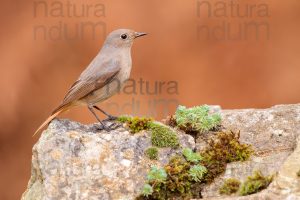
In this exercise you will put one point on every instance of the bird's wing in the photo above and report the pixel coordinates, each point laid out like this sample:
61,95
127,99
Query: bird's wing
95,80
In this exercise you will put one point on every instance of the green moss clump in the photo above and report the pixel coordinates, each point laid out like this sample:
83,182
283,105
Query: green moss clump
230,186
191,156
136,124
196,119
255,183
223,149
163,136
124,118
152,153
187,173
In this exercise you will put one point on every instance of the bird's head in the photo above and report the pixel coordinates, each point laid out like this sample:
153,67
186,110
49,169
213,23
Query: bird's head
122,38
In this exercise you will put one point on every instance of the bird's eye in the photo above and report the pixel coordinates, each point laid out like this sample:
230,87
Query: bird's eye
124,36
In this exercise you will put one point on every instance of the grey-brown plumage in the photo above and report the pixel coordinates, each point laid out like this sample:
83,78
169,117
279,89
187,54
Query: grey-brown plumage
103,77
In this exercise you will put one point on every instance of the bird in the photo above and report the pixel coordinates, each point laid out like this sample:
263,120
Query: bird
102,78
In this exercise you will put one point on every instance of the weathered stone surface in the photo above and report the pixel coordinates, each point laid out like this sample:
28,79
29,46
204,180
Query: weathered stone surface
73,161
273,133
286,184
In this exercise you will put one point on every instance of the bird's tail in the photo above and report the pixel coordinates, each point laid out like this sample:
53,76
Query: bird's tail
56,112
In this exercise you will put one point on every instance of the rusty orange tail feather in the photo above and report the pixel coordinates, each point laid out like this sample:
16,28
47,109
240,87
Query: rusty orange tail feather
56,112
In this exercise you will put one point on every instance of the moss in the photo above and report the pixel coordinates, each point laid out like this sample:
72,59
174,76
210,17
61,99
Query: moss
124,118
185,175
183,180
255,183
196,119
136,124
152,153
298,173
189,172
170,121
221,150
230,186
163,136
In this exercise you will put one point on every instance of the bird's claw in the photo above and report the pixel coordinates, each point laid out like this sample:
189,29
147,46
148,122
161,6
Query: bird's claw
109,128
110,118
114,126
101,127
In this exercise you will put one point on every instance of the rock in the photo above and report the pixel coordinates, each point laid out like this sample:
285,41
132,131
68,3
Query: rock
273,133
286,184
74,161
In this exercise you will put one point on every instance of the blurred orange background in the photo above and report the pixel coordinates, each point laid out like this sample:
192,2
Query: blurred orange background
38,67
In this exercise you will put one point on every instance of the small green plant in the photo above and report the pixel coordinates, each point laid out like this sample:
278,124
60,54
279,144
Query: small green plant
157,175
255,183
197,172
191,156
185,175
136,124
147,190
163,136
152,153
230,186
196,119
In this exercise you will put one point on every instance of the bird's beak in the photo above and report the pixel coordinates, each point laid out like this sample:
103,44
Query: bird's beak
137,34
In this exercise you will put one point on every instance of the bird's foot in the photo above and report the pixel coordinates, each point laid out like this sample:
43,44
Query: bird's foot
112,126
100,127
110,118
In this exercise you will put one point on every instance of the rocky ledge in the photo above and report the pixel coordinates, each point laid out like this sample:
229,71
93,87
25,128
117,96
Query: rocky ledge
75,161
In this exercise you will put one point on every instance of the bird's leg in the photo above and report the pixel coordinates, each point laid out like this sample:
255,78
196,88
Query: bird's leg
103,126
109,117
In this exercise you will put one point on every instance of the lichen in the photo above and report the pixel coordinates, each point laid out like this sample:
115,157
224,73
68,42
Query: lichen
255,183
230,186
196,119
152,153
163,136
136,124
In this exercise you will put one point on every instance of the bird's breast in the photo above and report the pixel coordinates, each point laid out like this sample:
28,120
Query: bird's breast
125,70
